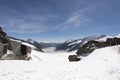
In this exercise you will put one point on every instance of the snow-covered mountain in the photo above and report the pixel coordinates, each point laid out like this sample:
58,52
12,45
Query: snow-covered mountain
43,46
72,45
69,45
91,45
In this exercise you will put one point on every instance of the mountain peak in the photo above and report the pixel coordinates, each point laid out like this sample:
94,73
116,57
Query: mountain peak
30,40
118,36
70,40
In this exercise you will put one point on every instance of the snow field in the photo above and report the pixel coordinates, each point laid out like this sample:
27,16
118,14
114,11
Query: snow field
102,64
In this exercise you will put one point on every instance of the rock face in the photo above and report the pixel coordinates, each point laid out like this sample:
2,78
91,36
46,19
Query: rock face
4,42
18,50
3,38
90,46
3,49
113,41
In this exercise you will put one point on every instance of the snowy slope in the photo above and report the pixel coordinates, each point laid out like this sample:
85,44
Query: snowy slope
118,36
49,49
102,64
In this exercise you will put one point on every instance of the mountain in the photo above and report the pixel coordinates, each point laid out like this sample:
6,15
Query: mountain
42,45
71,45
75,45
92,45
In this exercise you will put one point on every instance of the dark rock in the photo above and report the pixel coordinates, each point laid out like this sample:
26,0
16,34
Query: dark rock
113,41
91,45
73,58
3,36
4,42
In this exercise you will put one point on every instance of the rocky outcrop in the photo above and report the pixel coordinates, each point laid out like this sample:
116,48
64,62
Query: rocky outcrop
18,50
4,42
90,46
73,58
3,36
113,41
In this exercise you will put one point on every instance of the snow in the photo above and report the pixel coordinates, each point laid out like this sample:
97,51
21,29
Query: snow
15,40
70,40
118,36
102,64
49,49
75,42
103,39
32,46
70,48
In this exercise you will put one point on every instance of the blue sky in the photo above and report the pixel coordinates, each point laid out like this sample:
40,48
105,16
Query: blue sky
59,20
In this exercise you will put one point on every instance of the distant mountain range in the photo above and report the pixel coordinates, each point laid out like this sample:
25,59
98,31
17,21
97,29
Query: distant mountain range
69,45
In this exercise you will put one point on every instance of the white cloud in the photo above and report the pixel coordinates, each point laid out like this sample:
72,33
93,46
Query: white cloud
28,24
74,20
40,23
